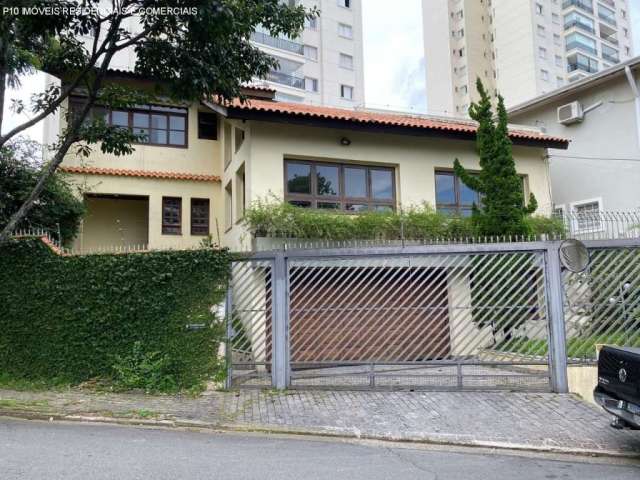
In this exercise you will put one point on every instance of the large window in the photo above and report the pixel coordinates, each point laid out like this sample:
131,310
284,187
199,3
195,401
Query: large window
171,215
157,125
332,186
199,216
452,196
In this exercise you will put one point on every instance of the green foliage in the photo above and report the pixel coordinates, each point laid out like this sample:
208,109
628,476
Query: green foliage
272,218
150,371
57,204
577,347
111,316
503,209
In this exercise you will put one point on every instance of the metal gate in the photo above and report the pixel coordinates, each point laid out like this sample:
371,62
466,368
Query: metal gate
440,317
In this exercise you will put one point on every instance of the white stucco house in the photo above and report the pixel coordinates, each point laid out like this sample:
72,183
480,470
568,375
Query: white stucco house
600,114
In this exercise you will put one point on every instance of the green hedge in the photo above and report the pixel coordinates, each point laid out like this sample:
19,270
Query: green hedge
82,317
273,218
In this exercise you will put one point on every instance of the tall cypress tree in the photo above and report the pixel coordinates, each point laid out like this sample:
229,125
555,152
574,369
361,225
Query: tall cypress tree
503,209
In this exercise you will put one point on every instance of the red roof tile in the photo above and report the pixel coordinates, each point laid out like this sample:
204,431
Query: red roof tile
121,172
390,119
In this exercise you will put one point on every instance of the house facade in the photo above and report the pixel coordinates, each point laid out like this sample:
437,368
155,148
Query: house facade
600,171
203,164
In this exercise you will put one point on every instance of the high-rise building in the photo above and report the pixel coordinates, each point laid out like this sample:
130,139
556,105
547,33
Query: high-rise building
518,48
324,66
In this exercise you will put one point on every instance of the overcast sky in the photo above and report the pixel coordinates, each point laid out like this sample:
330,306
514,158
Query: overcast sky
394,53
394,59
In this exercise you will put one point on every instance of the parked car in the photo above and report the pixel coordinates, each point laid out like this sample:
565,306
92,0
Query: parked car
618,390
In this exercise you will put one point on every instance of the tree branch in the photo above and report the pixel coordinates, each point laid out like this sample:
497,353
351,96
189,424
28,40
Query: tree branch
69,139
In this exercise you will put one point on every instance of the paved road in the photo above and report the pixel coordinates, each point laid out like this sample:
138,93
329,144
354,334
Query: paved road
39,450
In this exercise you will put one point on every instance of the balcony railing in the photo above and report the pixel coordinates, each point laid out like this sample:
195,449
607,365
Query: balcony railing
281,43
611,58
610,39
580,25
582,66
582,4
611,3
286,79
582,47
607,19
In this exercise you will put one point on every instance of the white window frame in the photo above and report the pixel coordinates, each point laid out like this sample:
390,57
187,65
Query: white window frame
345,27
342,87
313,82
310,48
348,61
575,227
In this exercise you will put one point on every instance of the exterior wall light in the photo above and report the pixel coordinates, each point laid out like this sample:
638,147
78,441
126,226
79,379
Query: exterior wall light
345,142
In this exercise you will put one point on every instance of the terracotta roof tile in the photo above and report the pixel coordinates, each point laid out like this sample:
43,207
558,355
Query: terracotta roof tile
391,119
122,172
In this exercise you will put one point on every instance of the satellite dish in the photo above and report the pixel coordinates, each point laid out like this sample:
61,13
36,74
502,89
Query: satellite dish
574,255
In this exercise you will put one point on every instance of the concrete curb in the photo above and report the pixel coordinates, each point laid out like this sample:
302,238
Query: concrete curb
316,432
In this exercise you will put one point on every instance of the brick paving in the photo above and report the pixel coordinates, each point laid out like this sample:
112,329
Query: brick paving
517,419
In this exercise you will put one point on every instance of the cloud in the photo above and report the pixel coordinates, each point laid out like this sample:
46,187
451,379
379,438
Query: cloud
394,56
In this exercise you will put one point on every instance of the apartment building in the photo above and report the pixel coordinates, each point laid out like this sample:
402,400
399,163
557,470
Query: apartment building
324,66
519,48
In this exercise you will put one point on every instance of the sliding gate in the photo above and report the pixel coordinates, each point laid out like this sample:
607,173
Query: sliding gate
439,317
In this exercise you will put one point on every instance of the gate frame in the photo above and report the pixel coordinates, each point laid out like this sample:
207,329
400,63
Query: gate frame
554,293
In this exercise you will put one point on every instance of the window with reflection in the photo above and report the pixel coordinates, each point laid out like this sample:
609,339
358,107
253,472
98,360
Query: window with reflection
452,196
155,124
334,186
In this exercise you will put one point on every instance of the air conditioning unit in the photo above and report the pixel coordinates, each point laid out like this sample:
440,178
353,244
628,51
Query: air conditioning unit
570,113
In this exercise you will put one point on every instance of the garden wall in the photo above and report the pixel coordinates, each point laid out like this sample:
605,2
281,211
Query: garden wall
73,318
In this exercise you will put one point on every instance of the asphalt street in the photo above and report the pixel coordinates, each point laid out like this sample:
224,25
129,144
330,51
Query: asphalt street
42,450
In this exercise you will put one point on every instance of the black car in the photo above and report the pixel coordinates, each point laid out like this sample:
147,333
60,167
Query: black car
618,390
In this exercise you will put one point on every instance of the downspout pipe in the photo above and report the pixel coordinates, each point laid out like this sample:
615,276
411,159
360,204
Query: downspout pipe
636,94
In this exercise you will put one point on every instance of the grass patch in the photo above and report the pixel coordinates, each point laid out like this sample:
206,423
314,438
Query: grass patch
577,347
27,385
22,404
142,413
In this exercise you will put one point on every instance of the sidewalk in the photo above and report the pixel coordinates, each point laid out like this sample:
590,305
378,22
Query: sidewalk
533,421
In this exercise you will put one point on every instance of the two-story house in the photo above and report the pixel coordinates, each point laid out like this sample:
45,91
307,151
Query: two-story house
204,163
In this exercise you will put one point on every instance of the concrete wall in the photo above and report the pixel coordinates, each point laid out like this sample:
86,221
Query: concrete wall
415,160
582,381
603,159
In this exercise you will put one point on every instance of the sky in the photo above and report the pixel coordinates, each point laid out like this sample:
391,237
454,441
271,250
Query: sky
394,64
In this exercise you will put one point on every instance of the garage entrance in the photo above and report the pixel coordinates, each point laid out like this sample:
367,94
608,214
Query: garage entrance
431,317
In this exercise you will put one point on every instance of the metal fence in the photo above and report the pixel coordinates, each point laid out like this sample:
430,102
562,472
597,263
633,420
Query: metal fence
602,304
600,225
465,316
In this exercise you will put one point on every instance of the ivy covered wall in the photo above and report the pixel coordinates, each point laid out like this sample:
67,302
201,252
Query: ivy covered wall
76,318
